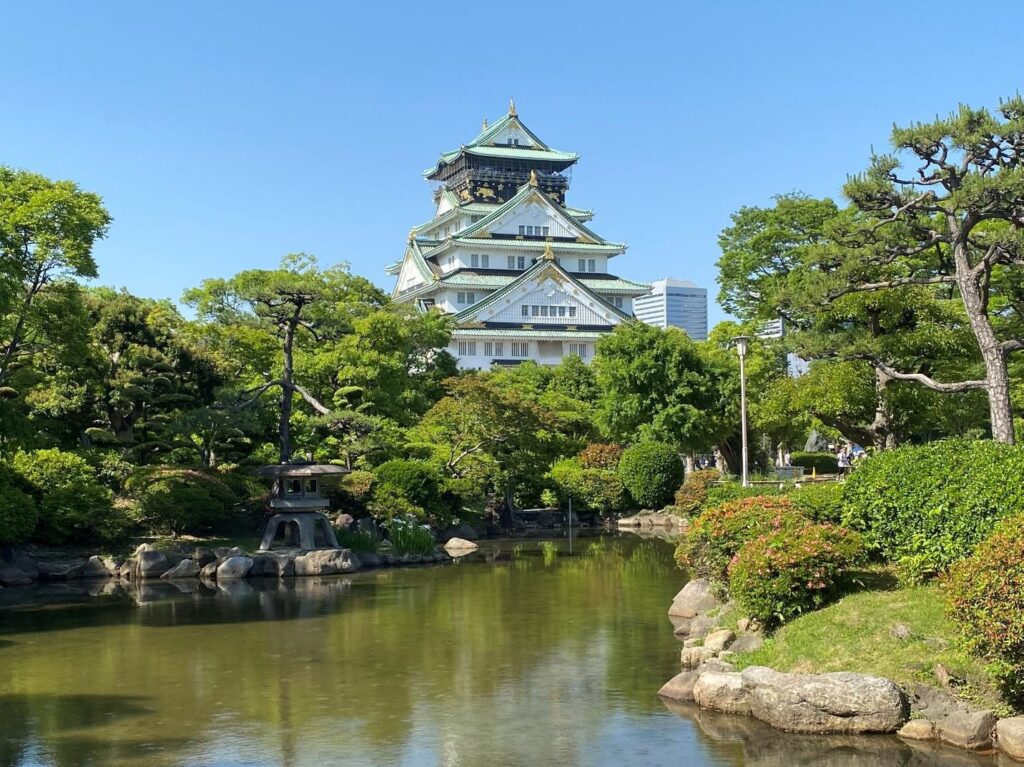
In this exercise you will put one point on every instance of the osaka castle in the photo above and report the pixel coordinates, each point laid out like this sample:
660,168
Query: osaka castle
524,276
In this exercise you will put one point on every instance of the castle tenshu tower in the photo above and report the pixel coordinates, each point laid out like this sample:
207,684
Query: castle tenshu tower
523,275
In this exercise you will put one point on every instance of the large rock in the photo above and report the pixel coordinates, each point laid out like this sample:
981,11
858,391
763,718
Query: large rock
747,643
692,657
151,563
701,626
326,562
841,702
209,570
12,575
203,556
719,640
456,546
186,568
972,729
1010,737
721,692
60,569
234,567
680,687
918,729
696,597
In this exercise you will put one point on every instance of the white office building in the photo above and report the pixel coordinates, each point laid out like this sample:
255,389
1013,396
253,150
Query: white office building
677,304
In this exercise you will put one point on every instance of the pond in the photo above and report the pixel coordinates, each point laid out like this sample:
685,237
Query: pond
523,654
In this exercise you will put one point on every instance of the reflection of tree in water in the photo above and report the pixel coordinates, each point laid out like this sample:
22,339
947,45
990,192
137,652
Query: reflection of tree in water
459,660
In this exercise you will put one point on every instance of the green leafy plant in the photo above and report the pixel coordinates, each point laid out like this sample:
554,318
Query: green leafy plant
718,533
549,498
926,507
820,501
409,537
693,493
72,504
416,482
985,601
175,501
597,490
18,513
360,541
777,576
822,463
600,456
651,472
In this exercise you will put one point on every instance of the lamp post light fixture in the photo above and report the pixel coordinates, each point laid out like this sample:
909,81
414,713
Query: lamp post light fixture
741,343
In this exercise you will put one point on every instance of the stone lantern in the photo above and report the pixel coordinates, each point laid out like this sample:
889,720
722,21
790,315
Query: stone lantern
298,507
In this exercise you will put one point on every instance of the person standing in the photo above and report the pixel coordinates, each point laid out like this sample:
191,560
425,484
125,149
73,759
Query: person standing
843,459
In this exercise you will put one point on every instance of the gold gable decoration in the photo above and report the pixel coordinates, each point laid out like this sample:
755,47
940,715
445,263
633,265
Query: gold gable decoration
533,179
512,107
549,254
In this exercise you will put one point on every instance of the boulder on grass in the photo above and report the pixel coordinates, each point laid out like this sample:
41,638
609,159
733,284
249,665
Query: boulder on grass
747,643
841,702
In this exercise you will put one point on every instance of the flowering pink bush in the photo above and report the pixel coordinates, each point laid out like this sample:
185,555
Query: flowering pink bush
779,575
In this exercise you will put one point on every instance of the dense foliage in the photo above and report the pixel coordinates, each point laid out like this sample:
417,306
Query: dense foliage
693,493
778,575
717,534
174,500
928,506
597,490
651,471
820,501
18,513
985,594
822,463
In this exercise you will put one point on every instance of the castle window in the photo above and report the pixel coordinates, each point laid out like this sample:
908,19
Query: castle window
499,348
484,260
580,350
582,265
561,311
460,298
511,262
543,311
520,348
592,265
471,298
488,348
618,302
467,348
535,310
522,231
572,311
521,261
529,231
526,310
474,260
545,231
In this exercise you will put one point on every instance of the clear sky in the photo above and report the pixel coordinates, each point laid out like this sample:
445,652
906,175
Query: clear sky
223,135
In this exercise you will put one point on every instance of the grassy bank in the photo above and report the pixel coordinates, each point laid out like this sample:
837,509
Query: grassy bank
855,634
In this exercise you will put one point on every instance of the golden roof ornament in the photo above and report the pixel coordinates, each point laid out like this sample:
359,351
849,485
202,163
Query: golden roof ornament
512,107
549,254
412,235
533,178
485,124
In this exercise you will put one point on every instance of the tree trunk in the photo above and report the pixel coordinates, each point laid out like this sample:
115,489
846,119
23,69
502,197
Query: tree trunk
287,393
880,428
973,286
691,464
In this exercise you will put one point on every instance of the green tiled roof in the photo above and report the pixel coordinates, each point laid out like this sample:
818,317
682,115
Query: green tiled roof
526,191
524,333
471,279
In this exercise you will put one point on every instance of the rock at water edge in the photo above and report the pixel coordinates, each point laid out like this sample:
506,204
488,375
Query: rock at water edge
680,687
1010,737
969,729
460,545
186,568
326,562
840,702
721,692
234,567
719,640
696,597
918,729
152,563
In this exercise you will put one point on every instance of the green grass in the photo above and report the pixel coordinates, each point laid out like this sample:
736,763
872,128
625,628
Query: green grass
854,635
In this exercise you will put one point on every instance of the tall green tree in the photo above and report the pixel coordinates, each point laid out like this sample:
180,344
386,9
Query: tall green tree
951,217
47,232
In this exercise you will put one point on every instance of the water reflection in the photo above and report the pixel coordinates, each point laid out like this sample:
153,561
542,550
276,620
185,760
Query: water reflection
519,654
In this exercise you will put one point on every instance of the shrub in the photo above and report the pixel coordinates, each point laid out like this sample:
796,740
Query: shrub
819,501
928,506
597,490
548,498
781,574
409,537
651,472
823,463
599,456
985,601
360,541
734,491
18,513
718,533
416,481
690,497
175,501
388,503
72,504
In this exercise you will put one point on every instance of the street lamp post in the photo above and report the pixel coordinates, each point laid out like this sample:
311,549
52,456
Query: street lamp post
741,348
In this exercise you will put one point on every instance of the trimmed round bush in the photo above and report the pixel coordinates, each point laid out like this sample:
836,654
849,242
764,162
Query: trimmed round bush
985,601
18,513
819,501
693,493
73,505
777,576
718,533
600,456
651,472
597,490
416,481
175,501
823,463
926,507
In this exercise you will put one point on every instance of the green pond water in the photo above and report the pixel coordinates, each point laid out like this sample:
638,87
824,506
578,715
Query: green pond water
523,654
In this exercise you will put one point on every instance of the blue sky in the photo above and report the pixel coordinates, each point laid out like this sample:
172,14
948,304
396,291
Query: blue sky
224,134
